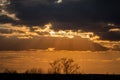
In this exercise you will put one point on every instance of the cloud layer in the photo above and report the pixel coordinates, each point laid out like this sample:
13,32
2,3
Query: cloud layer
25,38
74,44
98,16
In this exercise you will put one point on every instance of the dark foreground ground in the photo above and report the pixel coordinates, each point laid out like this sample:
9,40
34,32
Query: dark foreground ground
58,77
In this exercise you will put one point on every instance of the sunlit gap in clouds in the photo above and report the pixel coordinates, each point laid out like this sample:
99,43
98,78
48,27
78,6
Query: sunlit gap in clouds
59,1
64,33
22,31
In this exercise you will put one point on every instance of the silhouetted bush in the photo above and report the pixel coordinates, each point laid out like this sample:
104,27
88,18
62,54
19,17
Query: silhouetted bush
64,66
33,71
10,71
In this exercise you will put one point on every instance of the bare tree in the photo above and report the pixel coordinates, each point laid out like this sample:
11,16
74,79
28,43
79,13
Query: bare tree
33,71
64,66
10,71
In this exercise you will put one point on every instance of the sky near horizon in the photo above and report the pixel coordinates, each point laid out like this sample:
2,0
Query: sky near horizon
61,24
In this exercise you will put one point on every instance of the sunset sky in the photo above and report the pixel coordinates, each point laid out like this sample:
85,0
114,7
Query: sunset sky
60,24
34,33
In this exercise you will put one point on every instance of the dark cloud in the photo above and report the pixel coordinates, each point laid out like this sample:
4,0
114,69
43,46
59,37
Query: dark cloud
44,43
88,15
72,11
5,19
113,36
116,47
2,31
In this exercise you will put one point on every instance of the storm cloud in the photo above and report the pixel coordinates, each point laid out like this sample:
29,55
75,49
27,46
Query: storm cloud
88,15
78,11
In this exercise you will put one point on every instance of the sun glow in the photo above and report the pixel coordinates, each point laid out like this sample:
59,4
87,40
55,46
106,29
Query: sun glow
50,49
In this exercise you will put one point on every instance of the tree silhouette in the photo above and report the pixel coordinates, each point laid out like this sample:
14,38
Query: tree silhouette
10,71
33,71
64,66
